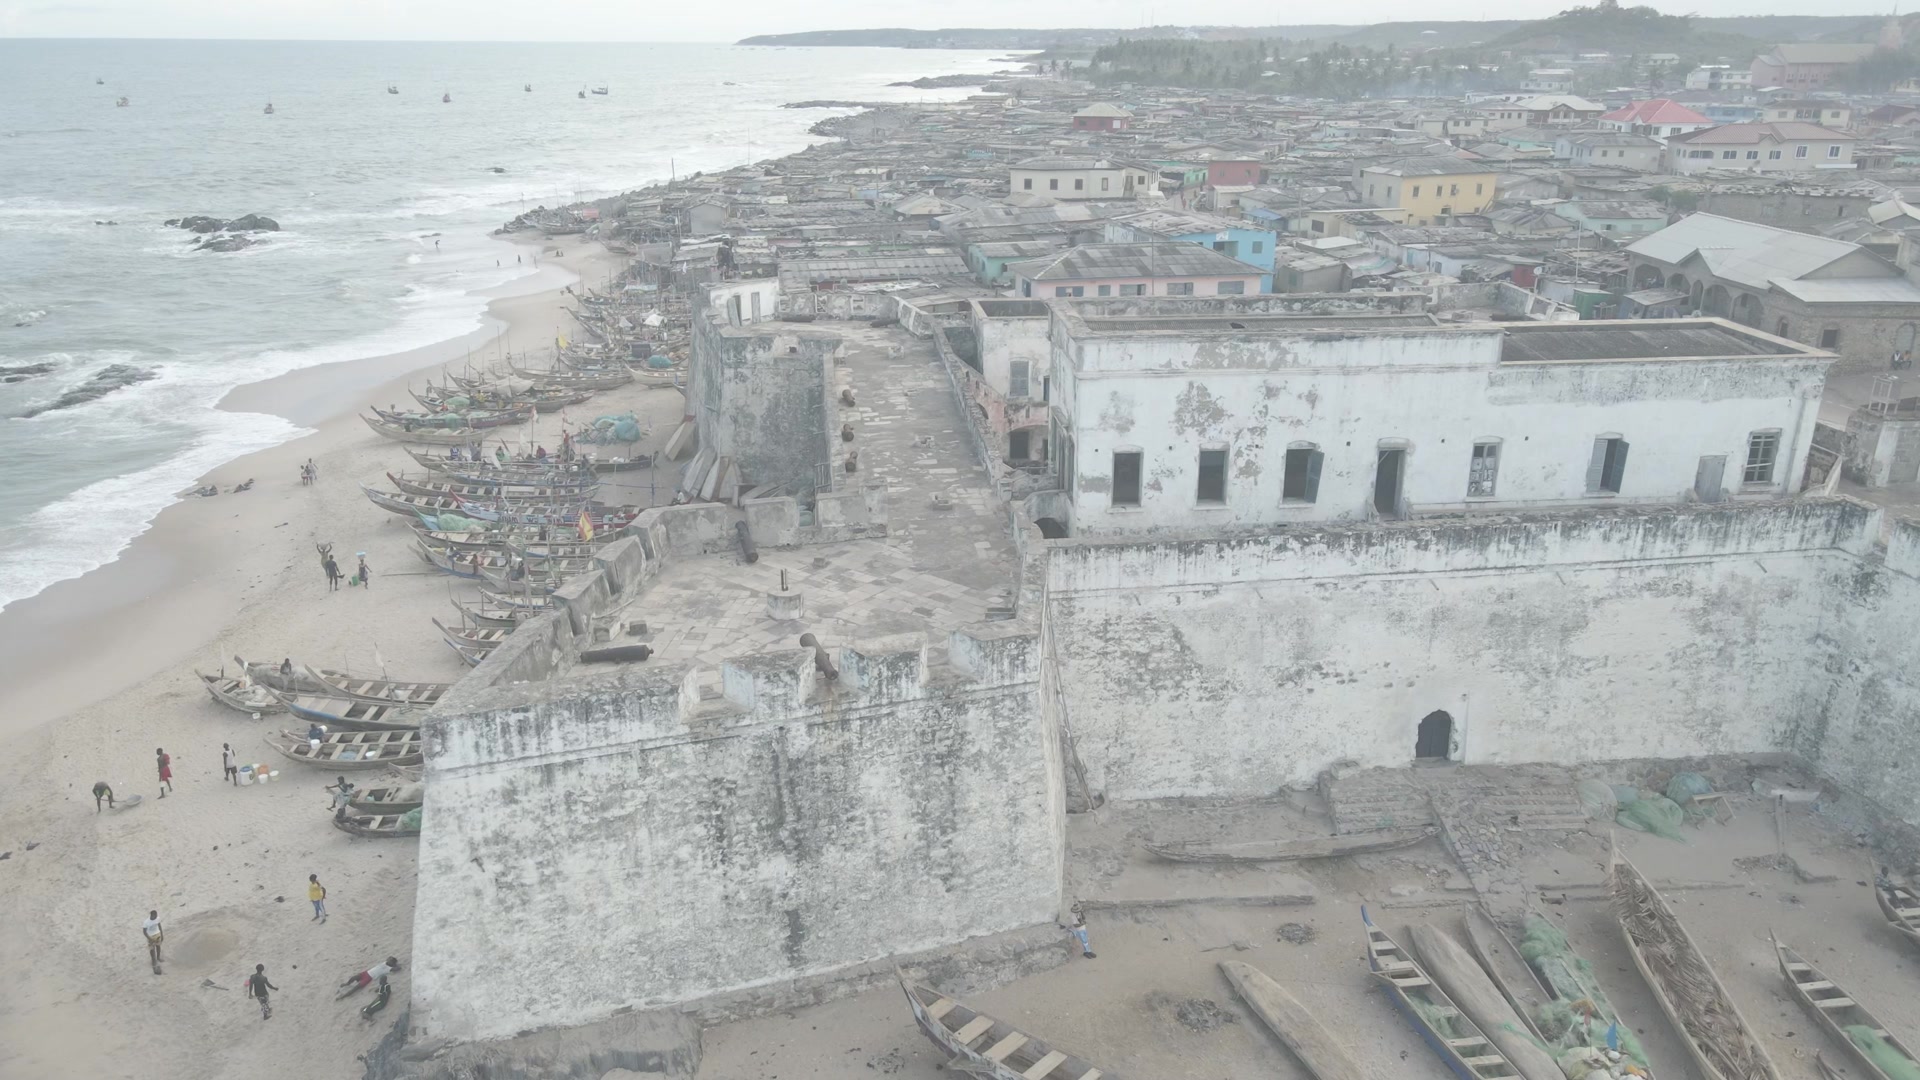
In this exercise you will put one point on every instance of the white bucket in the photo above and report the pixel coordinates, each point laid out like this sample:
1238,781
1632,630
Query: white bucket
246,774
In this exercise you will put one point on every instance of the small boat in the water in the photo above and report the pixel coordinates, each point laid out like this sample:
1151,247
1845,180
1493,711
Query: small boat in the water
352,749
98,81
395,799
445,98
1845,1020
122,103
239,693
269,108
379,825
982,1046
392,89
601,90
528,88
583,95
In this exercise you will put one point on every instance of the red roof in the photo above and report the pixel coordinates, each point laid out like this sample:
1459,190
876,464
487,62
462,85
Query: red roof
1657,111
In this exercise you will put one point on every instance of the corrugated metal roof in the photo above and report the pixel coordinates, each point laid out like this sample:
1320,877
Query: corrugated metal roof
1892,290
1657,111
1134,260
1748,134
1741,251
1652,341
1429,166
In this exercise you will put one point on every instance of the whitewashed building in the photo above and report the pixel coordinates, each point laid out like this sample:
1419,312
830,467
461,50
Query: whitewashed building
1171,418
1071,178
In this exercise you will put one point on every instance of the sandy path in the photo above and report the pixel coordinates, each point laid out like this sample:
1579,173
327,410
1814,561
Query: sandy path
96,674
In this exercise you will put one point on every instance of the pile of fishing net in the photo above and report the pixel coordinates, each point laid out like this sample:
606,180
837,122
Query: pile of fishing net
1580,1016
658,361
457,403
1648,812
1684,788
1891,1062
410,819
617,428
454,523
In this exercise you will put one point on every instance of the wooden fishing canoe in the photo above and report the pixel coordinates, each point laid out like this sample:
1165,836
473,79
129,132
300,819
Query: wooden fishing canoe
1292,1024
1319,847
240,695
982,1046
352,749
1901,907
1502,961
442,437
381,691
486,614
1695,1001
393,799
483,639
351,714
1463,1047
385,826
1835,1010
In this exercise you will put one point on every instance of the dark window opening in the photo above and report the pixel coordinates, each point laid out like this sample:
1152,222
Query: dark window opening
1435,740
1387,476
1126,478
1301,483
1763,448
1830,338
1212,487
1018,444
1051,528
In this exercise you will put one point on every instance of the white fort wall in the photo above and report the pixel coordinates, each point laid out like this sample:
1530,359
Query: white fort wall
617,840
1235,667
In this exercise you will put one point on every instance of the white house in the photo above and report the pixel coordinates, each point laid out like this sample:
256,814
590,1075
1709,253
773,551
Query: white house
1766,148
1066,178
1720,77
1168,419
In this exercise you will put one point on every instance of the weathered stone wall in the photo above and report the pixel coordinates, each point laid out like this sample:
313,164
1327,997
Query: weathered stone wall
1234,667
762,396
1786,207
624,839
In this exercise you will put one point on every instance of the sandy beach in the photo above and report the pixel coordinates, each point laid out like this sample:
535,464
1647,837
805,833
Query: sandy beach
98,673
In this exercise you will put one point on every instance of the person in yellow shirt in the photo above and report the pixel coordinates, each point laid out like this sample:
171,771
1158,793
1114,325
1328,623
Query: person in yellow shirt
317,893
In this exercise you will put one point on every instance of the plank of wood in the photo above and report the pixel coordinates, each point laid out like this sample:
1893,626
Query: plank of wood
1834,1003
1005,1046
1292,1024
1319,847
1045,1065
974,1029
1817,984
941,1008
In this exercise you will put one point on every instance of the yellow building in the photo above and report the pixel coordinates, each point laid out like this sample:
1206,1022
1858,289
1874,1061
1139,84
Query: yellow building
1430,189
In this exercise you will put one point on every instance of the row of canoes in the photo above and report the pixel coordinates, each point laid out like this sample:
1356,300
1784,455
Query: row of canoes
1474,1041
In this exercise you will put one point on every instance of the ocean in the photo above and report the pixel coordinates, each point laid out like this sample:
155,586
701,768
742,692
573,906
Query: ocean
385,202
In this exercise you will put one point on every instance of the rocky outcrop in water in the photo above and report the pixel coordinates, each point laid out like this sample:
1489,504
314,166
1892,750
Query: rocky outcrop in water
104,382
23,372
201,223
227,242
941,82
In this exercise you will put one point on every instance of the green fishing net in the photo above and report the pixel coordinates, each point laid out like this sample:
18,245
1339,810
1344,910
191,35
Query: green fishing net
1890,1061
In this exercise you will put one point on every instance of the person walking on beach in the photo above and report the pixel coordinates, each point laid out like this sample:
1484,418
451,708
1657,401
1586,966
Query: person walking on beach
102,790
227,764
164,761
333,574
155,934
362,573
257,987
317,893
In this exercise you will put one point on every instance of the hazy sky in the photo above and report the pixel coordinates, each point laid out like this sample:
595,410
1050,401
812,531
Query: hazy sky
641,20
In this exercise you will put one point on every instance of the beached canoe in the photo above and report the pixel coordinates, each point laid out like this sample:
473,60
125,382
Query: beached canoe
379,826
352,749
412,506
392,799
485,614
985,1047
1845,1020
1697,1004
1465,1050
433,485
1292,1024
481,639
351,714
381,691
1319,847
440,437
239,694
1901,907
1502,961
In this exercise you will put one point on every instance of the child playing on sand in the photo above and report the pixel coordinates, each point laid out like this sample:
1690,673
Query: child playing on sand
165,761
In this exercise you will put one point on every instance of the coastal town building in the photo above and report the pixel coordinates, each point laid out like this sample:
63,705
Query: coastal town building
1805,65
1657,118
1142,269
1610,149
1430,189
1238,239
1826,112
1788,147
1101,116
1718,77
1073,178
1829,294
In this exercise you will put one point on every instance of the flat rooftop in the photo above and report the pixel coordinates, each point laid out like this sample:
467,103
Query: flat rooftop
937,569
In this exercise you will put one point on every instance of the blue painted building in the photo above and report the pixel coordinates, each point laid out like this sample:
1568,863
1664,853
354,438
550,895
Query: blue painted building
1248,241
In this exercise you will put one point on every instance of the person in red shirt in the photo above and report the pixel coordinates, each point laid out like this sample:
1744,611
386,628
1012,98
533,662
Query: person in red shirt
165,761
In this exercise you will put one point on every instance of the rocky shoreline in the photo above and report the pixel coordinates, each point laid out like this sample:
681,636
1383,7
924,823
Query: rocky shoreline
220,234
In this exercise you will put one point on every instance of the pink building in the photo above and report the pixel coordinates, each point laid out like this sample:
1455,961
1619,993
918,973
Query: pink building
1161,269
1234,172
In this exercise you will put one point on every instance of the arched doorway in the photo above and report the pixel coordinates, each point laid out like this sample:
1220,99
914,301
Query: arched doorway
1746,310
1678,283
1718,301
1435,739
1647,277
1051,528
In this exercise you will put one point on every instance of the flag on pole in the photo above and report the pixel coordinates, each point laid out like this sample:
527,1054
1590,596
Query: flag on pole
586,526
